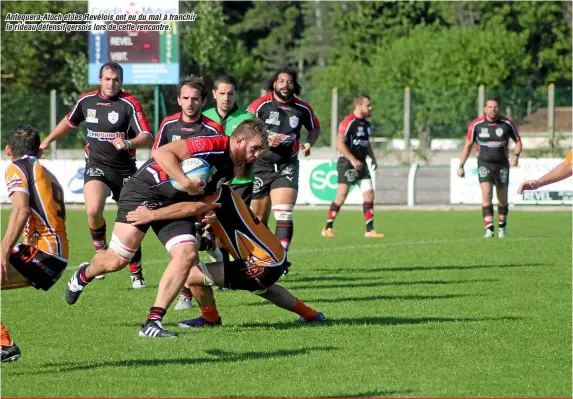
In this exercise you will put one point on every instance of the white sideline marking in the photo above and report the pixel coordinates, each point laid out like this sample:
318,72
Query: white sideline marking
366,246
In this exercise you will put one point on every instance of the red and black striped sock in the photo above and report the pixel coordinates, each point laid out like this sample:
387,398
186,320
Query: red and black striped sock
98,238
156,313
368,209
332,212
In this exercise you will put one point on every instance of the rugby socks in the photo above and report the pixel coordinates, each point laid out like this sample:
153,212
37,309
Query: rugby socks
135,264
303,311
368,209
156,313
487,212
210,313
502,216
6,340
284,227
334,209
98,238
186,292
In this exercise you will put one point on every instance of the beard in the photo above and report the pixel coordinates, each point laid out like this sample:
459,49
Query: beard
241,167
286,98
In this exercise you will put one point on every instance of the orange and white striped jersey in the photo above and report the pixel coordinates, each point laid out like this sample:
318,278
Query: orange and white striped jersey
46,227
569,158
242,235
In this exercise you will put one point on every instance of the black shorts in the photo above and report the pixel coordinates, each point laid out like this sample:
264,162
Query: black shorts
269,176
40,268
241,275
496,174
347,174
114,180
166,230
245,191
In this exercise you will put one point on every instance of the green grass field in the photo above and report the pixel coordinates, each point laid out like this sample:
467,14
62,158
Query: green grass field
432,310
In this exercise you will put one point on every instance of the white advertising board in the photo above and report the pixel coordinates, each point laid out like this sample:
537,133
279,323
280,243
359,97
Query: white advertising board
467,190
317,181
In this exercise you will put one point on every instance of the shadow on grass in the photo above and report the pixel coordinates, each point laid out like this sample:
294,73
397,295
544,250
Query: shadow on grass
388,283
416,268
370,394
217,356
380,321
377,298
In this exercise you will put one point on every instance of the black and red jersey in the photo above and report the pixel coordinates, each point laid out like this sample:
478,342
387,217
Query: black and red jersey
492,138
106,120
285,119
356,134
173,128
150,184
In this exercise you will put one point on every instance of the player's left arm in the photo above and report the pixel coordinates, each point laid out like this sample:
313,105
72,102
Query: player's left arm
138,123
514,134
372,157
312,125
16,223
516,153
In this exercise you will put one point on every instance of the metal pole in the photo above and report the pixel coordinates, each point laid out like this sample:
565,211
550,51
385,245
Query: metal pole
156,110
334,121
481,100
551,115
407,116
53,116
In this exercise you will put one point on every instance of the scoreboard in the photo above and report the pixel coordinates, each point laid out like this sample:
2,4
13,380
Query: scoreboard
147,56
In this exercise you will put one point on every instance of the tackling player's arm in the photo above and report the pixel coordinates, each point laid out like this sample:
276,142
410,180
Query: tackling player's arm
169,156
18,218
144,215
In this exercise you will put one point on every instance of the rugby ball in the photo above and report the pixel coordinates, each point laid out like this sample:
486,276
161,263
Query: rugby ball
193,168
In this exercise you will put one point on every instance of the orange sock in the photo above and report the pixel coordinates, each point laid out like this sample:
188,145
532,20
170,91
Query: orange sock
210,313
6,340
304,311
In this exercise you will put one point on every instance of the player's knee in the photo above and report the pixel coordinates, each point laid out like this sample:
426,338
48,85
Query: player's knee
366,187
183,248
207,277
283,212
123,253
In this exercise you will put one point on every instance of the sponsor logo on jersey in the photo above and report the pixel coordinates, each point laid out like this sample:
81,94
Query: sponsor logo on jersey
113,117
273,119
484,134
105,136
91,116
103,104
175,138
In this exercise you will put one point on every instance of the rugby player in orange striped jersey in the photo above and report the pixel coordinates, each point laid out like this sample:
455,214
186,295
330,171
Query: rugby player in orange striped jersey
38,210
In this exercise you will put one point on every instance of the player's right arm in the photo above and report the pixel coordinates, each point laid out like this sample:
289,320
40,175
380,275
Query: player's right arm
345,151
464,157
18,218
63,128
71,120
